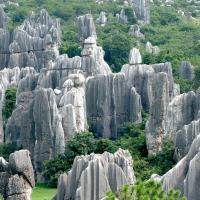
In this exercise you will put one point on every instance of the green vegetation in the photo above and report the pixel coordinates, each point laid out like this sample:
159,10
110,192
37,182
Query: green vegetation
43,192
7,149
177,36
10,99
147,190
81,144
134,140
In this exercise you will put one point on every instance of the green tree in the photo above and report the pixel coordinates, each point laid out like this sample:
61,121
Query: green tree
10,100
117,47
147,190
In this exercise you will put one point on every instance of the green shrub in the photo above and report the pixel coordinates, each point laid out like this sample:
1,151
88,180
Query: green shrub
134,140
81,144
147,190
7,149
10,99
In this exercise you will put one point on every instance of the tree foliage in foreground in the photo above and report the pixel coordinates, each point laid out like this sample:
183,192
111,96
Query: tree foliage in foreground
147,190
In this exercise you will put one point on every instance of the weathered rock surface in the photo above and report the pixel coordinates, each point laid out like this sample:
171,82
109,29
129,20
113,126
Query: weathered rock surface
8,78
86,28
180,111
17,176
92,176
142,76
33,44
155,84
121,17
185,176
142,9
111,103
135,30
183,138
154,132
73,105
49,134
3,18
102,20
37,125
186,71
152,49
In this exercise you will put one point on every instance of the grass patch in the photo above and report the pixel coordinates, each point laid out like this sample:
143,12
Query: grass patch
43,192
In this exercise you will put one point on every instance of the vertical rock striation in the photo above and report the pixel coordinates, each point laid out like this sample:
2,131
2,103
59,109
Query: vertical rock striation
92,176
185,176
33,44
111,103
142,10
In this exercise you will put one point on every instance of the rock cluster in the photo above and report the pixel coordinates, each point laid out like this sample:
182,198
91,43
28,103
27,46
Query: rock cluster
155,85
36,124
92,176
33,44
17,176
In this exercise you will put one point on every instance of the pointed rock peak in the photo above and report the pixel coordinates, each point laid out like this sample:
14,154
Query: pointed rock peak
3,18
135,57
86,27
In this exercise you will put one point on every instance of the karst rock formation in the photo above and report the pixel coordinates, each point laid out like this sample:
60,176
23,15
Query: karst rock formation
92,176
59,96
17,176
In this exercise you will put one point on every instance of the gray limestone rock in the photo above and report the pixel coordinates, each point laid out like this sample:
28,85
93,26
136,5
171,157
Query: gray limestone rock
186,71
152,49
180,111
36,124
72,105
33,44
135,30
3,18
142,10
92,176
121,17
20,162
17,179
154,131
86,28
185,175
109,100
142,76
49,134
8,78
135,57
183,138
20,128
102,20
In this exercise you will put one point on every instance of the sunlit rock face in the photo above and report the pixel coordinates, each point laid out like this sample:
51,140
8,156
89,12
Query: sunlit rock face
92,176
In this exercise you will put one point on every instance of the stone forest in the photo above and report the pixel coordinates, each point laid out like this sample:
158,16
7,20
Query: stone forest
100,99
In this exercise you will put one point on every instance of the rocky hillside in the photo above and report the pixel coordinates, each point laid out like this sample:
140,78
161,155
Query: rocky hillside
126,71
